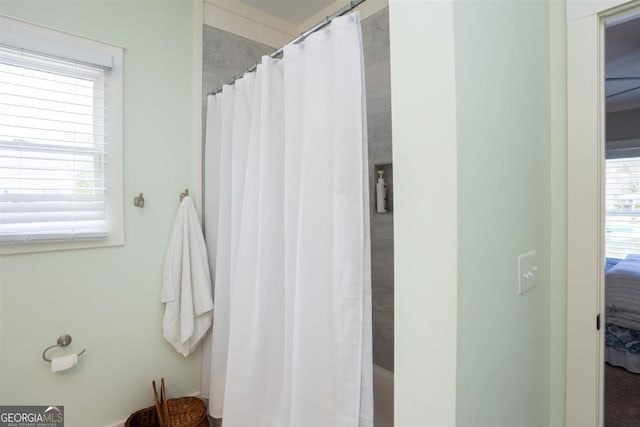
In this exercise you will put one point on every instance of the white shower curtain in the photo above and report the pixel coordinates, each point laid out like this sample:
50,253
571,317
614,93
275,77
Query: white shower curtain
287,228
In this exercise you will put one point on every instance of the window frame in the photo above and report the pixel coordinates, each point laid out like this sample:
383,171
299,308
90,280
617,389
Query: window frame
57,44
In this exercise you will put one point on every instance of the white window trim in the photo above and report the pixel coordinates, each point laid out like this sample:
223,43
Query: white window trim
46,41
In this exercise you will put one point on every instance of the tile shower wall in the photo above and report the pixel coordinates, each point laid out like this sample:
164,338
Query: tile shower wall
375,37
225,54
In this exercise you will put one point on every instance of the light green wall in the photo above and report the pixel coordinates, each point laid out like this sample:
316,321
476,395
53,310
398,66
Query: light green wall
504,124
557,229
508,170
108,299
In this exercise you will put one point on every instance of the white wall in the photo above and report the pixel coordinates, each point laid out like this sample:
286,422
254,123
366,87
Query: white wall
108,299
254,24
423,105
243,20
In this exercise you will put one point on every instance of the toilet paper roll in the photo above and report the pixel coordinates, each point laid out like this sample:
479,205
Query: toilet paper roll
64,362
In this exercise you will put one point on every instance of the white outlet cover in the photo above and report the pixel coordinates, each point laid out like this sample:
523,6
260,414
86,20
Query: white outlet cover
527,271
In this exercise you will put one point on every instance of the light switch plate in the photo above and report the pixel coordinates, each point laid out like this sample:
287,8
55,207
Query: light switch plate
527,271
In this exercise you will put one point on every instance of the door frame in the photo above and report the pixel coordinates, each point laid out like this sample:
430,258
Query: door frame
585,189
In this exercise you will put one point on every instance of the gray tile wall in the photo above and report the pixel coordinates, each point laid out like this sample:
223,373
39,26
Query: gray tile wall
225,55
375,38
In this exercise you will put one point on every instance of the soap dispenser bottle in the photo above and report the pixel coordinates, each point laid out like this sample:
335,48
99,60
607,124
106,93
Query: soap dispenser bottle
381,194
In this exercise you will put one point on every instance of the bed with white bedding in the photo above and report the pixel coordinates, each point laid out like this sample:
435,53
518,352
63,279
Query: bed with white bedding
622,330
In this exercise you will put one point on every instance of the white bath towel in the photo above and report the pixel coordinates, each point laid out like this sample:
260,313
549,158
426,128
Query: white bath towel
186,283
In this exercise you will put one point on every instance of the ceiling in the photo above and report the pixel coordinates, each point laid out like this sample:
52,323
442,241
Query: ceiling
622,69
294,11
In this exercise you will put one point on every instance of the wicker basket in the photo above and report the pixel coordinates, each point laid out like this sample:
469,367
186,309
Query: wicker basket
180,412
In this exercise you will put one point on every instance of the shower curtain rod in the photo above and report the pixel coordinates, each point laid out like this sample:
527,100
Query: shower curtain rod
326,21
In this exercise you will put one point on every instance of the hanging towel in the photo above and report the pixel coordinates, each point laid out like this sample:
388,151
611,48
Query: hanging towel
186,283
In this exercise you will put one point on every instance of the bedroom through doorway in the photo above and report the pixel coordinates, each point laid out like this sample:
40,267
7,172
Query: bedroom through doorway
622,222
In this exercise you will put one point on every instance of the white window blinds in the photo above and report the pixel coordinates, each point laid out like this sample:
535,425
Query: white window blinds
622,207
61,181
52,149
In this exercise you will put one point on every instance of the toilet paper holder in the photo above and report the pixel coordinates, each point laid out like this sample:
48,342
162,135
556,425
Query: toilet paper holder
63,341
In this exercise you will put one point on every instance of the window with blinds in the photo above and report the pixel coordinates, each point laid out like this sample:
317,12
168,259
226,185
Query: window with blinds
56,145
622,207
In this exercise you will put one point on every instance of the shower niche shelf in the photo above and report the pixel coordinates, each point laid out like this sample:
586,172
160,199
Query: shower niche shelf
387,170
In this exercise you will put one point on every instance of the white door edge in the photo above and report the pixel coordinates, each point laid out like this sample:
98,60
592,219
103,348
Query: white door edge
585,269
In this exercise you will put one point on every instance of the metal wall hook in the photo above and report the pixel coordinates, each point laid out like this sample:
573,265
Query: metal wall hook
63,341
185,194
138,201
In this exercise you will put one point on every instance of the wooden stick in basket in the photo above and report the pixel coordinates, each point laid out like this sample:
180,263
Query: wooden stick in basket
165,405
157,403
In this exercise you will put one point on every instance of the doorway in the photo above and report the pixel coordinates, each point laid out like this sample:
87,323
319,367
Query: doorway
586,307
622,221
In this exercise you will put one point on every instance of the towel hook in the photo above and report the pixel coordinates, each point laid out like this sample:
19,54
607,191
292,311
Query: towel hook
185,194
138,201
63,341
